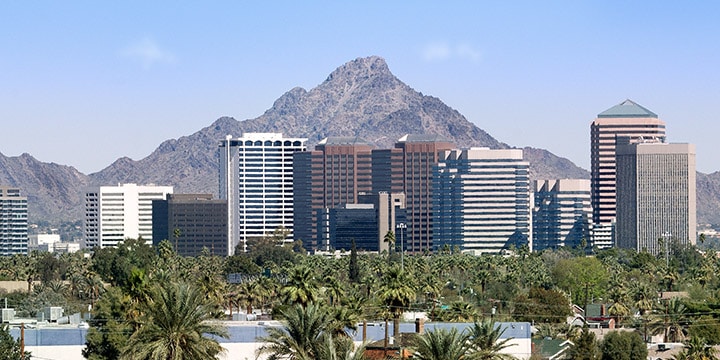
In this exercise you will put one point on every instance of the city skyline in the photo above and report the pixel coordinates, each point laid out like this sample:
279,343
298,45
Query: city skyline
529,74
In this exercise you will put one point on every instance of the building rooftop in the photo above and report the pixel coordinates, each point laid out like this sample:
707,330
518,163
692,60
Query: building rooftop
343,140
423,138
627,109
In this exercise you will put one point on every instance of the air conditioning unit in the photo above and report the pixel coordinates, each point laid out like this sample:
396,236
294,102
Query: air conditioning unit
7,315
53,313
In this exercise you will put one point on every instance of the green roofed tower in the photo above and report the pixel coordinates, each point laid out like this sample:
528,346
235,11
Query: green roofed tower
627,119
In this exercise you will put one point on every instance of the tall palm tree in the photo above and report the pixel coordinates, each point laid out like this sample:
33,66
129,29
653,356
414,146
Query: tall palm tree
696,349
301,288
486,343
301,333
176,325
442,344
396,293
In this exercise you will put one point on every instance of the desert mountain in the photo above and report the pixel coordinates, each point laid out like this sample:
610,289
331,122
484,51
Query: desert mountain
361,98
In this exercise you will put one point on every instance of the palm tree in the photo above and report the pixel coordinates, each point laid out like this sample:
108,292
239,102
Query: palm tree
486,343
696,349
396,293
301,287
175,325
442,344
299,337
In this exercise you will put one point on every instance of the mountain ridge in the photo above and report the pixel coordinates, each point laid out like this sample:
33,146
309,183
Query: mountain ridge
360,98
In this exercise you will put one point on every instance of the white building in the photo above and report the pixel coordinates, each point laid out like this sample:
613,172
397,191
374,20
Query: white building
13,222
42,241
256,178
562,213
481,200
114,213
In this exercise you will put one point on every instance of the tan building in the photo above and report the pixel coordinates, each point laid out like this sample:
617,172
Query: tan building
625,119
656,195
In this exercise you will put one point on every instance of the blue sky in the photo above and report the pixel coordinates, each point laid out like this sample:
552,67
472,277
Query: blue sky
83,83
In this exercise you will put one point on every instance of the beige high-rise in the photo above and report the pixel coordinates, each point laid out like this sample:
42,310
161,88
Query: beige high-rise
656,195
625,119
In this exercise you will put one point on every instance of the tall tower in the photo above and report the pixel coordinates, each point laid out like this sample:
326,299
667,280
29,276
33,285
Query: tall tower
656,194
625,119
256,172
114,213
332,175
482,200
13,222
412,162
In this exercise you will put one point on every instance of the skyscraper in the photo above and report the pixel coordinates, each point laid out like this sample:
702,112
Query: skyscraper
482,200
656,195
256,172
411,162
191,222
624,119
332,175
561,213
13,222
114,213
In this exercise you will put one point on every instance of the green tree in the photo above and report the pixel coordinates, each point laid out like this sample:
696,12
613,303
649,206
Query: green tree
9,347
176,325
354,267
109,329
585,278
697,349
303,327
623,345
301,287
706,327
585,348
396,293
441,344
486,343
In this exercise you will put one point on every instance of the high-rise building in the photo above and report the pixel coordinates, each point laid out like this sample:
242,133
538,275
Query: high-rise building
562,214
656,195
624,119
13,222
408,169
191,222
482,200
114,213
332,175
256,179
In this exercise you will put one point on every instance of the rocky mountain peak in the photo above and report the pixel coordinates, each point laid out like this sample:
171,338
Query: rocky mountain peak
360,68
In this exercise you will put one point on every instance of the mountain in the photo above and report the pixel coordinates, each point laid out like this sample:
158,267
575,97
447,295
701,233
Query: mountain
54,191
360,98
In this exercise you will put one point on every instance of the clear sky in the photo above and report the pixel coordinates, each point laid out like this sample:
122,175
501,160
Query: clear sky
83,83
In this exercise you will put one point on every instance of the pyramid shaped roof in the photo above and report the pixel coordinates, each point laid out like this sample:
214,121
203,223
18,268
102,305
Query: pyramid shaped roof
627,109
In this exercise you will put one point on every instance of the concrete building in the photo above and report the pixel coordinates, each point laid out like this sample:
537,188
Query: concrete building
115,213
42,242
256,179
656,194
332,175
562,214
482,200
625,119
408,169
13,222
191,222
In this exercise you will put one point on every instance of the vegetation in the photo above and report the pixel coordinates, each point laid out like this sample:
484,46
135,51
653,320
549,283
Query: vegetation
125,288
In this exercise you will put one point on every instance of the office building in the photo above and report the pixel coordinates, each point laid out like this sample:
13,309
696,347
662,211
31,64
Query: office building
43,242
332,175
625,119
13,222
115,213
656,195
482,200
256,179
191,222
562,214
408,169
